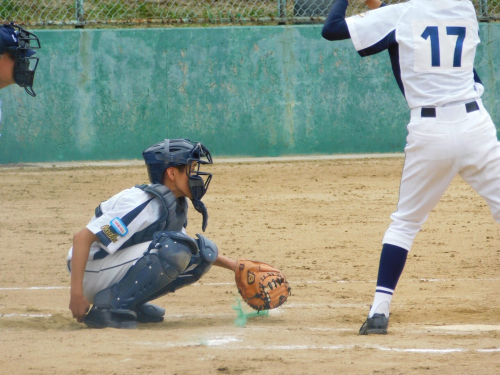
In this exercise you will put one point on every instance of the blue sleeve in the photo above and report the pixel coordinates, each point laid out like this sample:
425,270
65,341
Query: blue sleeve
476,77
335,27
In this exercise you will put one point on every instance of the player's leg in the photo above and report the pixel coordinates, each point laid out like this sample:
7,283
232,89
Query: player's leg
115,306
174,260
482,161
199,265
428,170
102,273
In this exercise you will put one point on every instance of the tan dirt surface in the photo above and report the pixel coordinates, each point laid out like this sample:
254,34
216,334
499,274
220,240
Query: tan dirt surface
320,222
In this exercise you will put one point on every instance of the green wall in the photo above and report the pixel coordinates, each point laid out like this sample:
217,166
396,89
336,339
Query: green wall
243,91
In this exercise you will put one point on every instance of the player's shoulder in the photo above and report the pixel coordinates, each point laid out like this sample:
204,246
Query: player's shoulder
131,192
130,197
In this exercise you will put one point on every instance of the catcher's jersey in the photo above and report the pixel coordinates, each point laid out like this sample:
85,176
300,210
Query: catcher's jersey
432,45
133,203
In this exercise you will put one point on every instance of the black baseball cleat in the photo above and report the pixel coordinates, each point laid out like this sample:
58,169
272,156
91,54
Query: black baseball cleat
149,313
378,324
99,317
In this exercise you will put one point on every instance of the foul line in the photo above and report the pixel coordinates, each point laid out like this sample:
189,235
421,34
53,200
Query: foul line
26,315
226,343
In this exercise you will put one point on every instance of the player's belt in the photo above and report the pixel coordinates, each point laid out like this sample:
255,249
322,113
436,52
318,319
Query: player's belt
431,112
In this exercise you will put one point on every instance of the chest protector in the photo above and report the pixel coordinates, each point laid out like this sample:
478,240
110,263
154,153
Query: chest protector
173,216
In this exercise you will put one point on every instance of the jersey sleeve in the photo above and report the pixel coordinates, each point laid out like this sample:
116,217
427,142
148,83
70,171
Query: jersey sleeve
335,27
371,31
134,211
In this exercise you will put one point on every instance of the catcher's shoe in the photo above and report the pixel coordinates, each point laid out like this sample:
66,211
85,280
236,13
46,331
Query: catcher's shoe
149,313
99,317
378,324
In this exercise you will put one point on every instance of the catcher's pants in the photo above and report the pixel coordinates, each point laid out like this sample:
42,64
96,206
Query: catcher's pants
102,273
438,148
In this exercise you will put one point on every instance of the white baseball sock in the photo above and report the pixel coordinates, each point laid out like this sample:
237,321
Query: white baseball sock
381,304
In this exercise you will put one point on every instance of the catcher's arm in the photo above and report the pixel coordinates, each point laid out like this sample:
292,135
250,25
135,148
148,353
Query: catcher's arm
78,304
226,262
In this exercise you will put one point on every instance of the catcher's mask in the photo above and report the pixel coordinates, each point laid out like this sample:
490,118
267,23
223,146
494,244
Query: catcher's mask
20,45
178,152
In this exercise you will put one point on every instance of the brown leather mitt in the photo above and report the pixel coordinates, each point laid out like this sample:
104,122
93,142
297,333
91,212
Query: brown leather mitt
261,286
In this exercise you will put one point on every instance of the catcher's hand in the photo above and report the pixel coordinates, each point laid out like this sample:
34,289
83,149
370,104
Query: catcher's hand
261,286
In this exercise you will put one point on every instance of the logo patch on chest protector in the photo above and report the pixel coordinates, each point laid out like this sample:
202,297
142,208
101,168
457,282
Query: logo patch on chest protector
108,232
250,278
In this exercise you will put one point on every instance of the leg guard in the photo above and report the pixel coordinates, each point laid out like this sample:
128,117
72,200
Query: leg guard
199,265
168,256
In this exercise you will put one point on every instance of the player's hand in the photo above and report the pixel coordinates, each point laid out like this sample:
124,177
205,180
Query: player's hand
79,306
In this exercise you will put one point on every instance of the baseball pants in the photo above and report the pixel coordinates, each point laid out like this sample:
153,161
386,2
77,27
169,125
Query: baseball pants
438,148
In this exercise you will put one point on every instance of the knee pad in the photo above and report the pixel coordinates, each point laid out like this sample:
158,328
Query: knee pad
168,256
198,266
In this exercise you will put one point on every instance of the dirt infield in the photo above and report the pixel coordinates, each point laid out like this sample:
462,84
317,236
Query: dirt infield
321,222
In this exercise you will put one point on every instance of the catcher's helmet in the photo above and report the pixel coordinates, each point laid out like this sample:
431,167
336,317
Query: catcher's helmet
177,152
20,44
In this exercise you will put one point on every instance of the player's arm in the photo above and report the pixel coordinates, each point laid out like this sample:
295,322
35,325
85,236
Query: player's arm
82,241
374,4
335,27
226,262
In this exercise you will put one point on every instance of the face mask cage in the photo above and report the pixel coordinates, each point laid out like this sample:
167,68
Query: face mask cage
198,180
25,67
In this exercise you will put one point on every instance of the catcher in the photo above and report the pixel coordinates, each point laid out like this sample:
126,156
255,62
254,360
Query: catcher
135,249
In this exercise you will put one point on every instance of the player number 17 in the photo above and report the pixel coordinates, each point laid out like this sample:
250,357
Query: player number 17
433,33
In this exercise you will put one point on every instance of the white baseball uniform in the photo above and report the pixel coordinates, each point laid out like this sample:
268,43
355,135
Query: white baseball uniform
432,45
109,260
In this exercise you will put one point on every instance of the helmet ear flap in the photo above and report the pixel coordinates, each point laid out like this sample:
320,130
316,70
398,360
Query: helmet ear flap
156,172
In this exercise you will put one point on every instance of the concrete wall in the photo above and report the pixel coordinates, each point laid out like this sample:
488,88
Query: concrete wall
243,91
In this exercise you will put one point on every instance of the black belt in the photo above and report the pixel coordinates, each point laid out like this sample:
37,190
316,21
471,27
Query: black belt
431,112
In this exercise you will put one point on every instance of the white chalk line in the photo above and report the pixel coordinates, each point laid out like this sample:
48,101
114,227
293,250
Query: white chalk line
229,342
37,288
291,282
25,315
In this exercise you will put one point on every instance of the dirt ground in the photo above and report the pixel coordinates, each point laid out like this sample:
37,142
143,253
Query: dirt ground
321,222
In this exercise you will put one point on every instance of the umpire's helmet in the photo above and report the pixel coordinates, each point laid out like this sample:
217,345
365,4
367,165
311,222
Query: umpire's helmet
20,44
174,153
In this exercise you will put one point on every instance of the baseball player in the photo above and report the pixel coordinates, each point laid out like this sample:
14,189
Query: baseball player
17,61
135,248
432,44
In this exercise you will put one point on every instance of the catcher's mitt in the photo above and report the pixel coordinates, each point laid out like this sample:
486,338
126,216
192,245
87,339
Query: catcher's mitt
261,286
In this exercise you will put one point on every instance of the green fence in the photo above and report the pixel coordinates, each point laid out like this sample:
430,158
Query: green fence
246,91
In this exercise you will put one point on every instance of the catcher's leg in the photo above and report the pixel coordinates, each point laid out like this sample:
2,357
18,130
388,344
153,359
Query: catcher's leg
198,266
116,306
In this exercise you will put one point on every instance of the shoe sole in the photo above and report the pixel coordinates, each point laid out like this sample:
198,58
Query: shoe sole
121,325
376,331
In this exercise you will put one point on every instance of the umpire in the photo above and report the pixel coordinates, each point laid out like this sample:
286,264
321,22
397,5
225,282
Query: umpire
17,61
